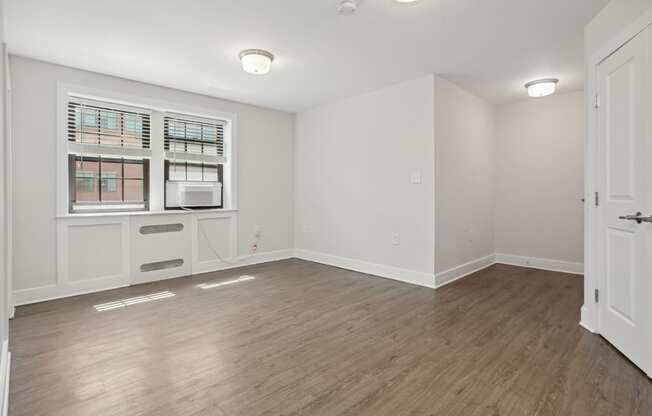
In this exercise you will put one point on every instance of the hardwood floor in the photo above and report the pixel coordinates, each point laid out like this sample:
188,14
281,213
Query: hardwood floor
306,339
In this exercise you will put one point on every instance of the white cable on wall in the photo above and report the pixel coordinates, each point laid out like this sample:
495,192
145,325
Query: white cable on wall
216,253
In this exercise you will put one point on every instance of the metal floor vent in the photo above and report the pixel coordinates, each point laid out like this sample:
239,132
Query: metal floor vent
161,265
161,228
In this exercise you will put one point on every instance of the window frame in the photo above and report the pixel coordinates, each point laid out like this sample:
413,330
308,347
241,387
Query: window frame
158,108
103,206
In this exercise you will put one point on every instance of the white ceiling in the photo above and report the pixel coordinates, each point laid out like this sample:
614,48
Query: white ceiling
490,47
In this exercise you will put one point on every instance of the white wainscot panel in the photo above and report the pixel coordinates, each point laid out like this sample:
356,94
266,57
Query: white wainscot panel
92,255
214,241
161,247
94,251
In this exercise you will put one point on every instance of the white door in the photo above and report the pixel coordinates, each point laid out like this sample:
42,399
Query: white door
625,184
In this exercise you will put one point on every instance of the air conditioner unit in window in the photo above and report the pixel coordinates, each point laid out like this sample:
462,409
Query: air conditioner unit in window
189,194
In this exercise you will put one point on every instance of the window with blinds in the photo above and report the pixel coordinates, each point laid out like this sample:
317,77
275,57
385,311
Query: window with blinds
108,156
194,139
100,125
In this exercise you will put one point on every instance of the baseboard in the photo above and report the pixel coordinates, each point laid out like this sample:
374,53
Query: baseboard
586,321
539,263
5,372
449,276
374,269
52,292
242,261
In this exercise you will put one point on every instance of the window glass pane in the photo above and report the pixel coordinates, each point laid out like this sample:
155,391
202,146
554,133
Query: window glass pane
177,171
91,189
134,190
133,124
210,133
111,187
86,189
108,120
108,127
87,168
89,117
111,168
210,173
193,131
194,172
176,130
133,170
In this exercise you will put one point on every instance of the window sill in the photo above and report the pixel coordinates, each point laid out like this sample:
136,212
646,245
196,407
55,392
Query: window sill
144,213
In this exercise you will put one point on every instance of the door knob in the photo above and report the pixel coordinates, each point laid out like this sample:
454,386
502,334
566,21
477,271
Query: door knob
638,217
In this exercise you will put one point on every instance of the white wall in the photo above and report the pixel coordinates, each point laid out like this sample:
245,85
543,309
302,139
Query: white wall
611,21
354,160
539,178
5,228
265,165
464,177
4,307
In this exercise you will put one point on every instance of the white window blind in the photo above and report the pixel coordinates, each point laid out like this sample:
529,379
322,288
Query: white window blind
106,128
188,138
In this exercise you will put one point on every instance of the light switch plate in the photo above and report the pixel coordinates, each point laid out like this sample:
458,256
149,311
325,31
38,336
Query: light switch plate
415,178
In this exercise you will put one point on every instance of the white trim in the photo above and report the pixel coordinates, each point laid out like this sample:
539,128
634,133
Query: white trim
5,373
9,184
375,269
628,33
458,272
584,321
52,292
539,263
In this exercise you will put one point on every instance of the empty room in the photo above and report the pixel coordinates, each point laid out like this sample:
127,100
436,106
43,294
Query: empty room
326,207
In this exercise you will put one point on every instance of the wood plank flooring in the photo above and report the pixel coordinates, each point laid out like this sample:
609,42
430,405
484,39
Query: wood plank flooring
307,339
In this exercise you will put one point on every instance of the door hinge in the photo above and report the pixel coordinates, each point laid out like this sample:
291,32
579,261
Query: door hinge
597,101
597,296
597,199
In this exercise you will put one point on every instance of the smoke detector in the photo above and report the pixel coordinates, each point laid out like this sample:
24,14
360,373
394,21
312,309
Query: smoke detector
347,7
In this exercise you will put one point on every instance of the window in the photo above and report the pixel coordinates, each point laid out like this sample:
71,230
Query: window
194,171
100,125
194,152
185,137
108,150
121,157
108,183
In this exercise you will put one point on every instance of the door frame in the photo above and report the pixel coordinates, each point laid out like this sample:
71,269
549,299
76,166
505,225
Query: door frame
592,281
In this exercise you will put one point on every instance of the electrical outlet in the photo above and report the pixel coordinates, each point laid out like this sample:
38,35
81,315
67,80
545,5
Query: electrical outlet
396,239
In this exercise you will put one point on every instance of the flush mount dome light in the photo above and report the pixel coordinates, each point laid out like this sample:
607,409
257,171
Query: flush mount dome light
541,87
347,7
256,61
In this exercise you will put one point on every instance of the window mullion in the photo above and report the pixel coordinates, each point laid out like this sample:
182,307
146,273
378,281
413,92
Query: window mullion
99,180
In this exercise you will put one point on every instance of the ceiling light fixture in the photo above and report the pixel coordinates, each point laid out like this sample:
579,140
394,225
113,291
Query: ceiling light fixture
541,87
256,61
406,1
347,7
